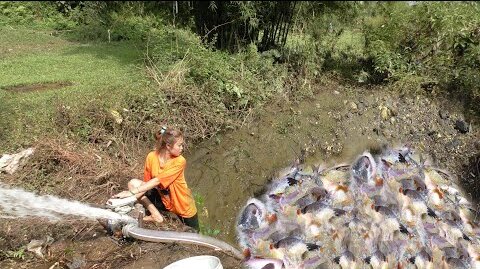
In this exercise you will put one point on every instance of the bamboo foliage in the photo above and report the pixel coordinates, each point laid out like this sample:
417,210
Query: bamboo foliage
232,24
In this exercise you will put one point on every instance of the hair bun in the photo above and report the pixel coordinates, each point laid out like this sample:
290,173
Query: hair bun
159,134
162,131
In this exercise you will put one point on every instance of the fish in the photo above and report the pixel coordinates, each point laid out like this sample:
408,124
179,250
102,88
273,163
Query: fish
474,253
389,223
253,215
415,201
264,263
254,225
394,248
293,249
363,169
422,260
456,263
319,213
346,260
390,209
377,260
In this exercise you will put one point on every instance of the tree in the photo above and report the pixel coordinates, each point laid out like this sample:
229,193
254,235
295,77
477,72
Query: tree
232,24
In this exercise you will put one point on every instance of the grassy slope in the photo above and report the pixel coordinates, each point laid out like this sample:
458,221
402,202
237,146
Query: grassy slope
104,71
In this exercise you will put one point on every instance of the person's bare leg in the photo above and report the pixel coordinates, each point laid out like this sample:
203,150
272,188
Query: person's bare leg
154,213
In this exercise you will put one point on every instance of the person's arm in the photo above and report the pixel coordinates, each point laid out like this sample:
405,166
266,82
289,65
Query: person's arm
152,183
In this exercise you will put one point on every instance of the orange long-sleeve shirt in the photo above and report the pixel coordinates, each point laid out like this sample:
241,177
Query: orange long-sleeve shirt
171,175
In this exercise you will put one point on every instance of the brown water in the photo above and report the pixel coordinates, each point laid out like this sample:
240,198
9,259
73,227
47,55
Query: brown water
229,169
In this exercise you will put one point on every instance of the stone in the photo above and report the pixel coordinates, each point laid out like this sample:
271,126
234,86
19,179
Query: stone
360,106
462,126
453,144
10,163
477,145
384,113
353,106
443,114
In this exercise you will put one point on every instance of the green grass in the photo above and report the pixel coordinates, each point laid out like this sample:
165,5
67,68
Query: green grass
98,71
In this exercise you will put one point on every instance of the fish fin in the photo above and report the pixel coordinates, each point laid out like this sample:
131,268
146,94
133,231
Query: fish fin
339,212
292,181
311,246
431,213
403,229
466,237
412,260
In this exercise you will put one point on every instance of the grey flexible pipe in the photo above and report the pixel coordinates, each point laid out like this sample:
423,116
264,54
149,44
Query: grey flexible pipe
136,232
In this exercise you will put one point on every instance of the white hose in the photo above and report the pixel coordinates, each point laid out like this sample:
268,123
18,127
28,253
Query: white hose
182,237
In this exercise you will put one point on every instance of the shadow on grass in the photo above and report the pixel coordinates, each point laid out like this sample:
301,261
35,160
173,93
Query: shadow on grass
7,114
125,52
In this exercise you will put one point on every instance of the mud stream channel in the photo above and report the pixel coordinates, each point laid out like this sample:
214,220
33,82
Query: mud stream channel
229,169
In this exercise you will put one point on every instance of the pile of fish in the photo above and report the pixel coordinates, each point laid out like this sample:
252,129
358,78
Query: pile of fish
392,209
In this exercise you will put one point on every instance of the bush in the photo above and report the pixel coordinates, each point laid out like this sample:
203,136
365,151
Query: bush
34,14
428,39
209,90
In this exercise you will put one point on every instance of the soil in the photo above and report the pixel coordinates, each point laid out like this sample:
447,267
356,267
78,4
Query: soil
38,86
334,125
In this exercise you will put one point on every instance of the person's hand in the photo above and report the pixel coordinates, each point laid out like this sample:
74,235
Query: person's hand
123,194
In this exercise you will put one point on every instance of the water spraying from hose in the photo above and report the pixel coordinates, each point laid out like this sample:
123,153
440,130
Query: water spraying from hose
18,203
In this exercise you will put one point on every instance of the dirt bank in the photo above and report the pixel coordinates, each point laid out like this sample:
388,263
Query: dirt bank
335,124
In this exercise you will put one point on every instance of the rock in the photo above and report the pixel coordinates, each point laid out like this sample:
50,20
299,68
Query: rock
384,112
453,144
39,247
353,106
10,163
117,117
360,106
393,110
477,145
462,126
443,114
77,263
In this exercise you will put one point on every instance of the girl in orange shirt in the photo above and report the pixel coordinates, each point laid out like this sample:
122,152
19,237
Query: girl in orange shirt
164,186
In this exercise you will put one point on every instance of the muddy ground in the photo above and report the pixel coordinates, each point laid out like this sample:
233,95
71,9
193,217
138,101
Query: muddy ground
334,125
